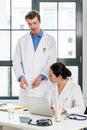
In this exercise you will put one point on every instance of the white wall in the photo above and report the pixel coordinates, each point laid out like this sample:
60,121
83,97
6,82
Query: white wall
85,48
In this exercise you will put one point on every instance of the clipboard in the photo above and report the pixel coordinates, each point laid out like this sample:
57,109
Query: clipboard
4,107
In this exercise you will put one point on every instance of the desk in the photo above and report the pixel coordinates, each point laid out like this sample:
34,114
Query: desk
15,124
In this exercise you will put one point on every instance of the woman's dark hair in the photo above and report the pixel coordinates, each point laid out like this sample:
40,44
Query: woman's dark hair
60,69
32,14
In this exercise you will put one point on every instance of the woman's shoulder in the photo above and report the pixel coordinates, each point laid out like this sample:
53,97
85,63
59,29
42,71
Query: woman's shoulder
73,84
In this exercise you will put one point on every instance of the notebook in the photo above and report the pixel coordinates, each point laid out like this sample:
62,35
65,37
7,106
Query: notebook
38,106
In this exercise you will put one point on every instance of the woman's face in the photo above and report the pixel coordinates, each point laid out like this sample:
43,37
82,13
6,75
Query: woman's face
52,77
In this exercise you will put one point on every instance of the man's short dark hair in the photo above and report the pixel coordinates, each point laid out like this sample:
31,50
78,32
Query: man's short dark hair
32,14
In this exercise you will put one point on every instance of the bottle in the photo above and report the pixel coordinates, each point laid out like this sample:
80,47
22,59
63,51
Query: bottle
58,113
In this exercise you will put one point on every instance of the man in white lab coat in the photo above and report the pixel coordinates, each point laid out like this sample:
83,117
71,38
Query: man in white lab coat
34,53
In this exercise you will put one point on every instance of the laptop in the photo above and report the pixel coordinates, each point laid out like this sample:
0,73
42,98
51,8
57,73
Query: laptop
38,106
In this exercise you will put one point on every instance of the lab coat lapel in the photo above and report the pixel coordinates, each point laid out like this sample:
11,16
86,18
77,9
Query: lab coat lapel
30,42
65,90
42,46
64,94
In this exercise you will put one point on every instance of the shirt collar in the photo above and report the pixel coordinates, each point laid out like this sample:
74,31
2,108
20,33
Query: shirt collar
39,35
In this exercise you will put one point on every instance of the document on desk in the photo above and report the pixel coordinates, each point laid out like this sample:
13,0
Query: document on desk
5,107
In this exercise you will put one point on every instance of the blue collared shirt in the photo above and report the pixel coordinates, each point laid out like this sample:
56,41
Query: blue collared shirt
36,39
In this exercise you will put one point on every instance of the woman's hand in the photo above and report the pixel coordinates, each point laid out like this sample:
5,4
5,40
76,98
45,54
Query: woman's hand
63,110
53,110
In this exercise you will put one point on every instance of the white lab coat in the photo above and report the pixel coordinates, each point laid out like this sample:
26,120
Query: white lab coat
30,63
70,98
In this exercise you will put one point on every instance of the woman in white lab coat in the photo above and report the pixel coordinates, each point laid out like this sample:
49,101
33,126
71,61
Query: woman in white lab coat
31,63
64,91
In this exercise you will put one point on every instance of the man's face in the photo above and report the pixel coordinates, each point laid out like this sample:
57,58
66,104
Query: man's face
34,25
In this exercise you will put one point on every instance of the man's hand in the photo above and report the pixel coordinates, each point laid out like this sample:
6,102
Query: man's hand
36,82
23,83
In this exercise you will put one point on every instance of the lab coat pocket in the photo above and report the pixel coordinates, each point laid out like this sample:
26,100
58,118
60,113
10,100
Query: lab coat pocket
45,54
67,102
